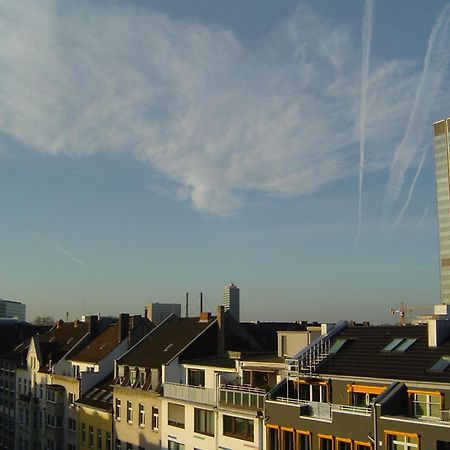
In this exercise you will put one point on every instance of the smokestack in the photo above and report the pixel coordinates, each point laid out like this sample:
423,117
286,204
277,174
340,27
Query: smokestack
201,302
220,330
124,320
187,304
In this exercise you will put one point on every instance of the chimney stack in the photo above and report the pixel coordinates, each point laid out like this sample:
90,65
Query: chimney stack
220,330
201,302
187,304
93,326
124,320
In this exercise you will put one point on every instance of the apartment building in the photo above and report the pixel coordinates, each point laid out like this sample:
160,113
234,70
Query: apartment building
366,387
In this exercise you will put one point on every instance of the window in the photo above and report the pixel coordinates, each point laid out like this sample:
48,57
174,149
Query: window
71,398
272,437
108,441
304,440
396,440
313,391
338,344
325,442
425,404
91,436
155,419
238,427
196,377
141,415
362,445
344,444
72,424
204,421
118,406
175,446
83,433
287,439
129,412
361,395
284,345
129,446
441,365
99,439
118,444
176,415
399,344
442,445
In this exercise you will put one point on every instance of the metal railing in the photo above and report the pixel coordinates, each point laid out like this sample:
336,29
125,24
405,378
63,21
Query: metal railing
195,394
241,395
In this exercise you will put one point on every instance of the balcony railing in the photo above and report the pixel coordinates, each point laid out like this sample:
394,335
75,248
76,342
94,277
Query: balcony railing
243,396
195,394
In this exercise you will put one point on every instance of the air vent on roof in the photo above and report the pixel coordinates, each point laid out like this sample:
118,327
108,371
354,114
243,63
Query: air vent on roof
441,365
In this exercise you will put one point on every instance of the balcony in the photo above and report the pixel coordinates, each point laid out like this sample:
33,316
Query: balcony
195,394
322,411
242,396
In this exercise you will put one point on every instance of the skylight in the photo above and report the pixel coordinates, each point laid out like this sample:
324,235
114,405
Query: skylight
338,344
441,365
399,344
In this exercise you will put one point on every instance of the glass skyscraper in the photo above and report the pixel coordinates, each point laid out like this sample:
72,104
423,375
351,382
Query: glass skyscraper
442,161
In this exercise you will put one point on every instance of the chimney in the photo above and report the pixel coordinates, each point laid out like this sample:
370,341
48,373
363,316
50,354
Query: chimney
204,317
135,321
123,326
187,304
93,326
146,312
59,323
220,330
439,326
201,302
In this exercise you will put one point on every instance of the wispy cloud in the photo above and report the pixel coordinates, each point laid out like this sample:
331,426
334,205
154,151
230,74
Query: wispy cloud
214,117
431,81
57,247
366,44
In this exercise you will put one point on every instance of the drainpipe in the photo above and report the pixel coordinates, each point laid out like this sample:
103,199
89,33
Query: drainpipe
375,425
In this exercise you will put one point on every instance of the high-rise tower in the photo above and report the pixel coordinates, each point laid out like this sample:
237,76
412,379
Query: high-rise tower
231,300
442,164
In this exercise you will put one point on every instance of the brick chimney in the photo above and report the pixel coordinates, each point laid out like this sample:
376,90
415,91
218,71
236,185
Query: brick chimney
124,320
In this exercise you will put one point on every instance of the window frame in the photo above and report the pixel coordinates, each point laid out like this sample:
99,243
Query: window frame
202,417
390,433
344,440
249,437
141,415
299,433
325,437
430,394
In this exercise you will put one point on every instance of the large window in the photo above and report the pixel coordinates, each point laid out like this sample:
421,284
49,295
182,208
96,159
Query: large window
118,408
238,428
196,377
176,415
343,444
396,440
272,437
316,391
175,446
141,415
129,412
287,439
325,442
425,404
304,440
361,395
155,418
362,445
99,439
204,421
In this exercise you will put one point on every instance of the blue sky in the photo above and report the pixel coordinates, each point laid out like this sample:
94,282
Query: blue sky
148,149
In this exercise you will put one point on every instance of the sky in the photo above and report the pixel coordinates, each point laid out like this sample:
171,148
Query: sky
154,148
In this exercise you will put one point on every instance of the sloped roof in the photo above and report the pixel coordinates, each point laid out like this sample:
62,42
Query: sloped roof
165,342
60,339
100,396
363,355
100,346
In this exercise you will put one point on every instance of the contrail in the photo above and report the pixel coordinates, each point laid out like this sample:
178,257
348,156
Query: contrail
410,193
57,247
433,74
366,44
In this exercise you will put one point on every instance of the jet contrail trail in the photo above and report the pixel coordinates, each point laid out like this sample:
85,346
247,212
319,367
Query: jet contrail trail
436,61
410,193
366,44
57,247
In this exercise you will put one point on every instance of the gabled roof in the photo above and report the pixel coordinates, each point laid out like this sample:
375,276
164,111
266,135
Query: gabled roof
368,352
165,342
60,339
100,346
100,396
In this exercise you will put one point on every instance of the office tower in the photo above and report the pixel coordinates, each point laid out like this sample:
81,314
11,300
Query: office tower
12,310
157,312
231,300
442,164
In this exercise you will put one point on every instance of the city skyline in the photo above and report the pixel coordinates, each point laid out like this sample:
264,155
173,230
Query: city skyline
148,150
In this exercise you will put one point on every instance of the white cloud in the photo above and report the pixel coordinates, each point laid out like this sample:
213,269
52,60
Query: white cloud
215,117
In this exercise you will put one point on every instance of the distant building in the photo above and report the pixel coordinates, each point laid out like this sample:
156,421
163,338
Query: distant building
157,312
441,152
12,310
231,300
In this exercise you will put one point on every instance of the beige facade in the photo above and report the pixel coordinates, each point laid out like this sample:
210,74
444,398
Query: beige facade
136,417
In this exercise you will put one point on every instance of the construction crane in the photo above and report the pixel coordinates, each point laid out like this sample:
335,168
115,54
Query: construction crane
403,309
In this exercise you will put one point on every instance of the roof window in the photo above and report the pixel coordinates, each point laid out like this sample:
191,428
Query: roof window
338,344
399,344
441,365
